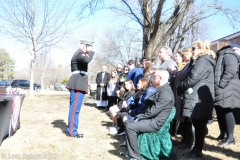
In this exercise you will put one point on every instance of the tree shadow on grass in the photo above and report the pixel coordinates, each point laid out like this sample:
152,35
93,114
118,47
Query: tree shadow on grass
90,104
106,123
60,124
212,148
211,137
119,151
228,152
102,109
88,98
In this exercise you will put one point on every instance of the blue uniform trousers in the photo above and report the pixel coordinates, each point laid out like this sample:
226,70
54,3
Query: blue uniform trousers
76,98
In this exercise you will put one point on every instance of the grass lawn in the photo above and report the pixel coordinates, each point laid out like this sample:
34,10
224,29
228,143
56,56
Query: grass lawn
43,125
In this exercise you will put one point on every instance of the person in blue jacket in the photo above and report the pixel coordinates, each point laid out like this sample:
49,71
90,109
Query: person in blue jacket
136,73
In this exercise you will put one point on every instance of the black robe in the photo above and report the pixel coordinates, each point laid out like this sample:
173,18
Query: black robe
102,91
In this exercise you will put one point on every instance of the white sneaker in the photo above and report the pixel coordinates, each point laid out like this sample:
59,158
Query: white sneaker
113,130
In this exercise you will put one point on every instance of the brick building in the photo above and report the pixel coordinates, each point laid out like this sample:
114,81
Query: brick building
233,38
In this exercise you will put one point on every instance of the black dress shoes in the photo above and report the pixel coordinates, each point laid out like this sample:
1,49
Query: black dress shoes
227,141
193,154
80,135
185,147
221,137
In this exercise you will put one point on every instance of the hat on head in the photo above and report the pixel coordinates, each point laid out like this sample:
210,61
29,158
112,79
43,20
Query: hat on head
87,42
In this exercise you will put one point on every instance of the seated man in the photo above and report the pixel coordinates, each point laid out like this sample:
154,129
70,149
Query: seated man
160,105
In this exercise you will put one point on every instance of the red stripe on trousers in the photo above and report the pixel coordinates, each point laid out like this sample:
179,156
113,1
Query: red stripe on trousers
73,113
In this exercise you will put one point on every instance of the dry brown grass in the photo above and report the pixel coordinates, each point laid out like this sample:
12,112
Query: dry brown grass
44,122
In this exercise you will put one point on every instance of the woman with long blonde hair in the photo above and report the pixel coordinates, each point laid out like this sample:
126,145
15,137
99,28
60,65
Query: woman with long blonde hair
111,89
197,89
182,124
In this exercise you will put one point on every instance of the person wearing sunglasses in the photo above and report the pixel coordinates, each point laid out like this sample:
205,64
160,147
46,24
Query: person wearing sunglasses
119,69
197,90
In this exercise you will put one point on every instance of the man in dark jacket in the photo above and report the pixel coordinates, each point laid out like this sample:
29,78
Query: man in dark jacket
78,85
160,105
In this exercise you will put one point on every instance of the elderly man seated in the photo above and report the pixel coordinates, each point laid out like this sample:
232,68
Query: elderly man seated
160,105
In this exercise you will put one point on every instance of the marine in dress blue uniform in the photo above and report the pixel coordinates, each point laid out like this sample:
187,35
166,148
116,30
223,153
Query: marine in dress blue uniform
78,85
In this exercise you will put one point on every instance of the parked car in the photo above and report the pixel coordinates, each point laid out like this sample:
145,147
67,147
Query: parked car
60,87
24,84
4,83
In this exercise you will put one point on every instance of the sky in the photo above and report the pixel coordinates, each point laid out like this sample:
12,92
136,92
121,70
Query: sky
98,23
62,53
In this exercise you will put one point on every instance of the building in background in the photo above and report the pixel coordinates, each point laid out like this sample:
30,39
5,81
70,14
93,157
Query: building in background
233,38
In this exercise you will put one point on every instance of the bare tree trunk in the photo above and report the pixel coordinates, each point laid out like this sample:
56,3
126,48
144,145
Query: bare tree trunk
34,52
42,82
147,20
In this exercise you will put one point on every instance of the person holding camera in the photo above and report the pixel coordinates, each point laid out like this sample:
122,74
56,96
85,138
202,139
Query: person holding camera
78,85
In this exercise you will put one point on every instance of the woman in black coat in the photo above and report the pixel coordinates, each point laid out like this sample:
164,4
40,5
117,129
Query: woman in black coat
185,127
227,90
236,111
198,93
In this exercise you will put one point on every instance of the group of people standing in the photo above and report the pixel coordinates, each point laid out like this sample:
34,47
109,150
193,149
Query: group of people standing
140,99
202,81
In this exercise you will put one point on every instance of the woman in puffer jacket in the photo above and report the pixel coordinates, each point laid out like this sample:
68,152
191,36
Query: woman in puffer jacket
227,90
198,93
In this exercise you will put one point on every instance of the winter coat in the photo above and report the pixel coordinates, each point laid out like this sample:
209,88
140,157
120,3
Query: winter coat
227,84
160,105
142,103
198,104
133,103
179,77
120,83
125,97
